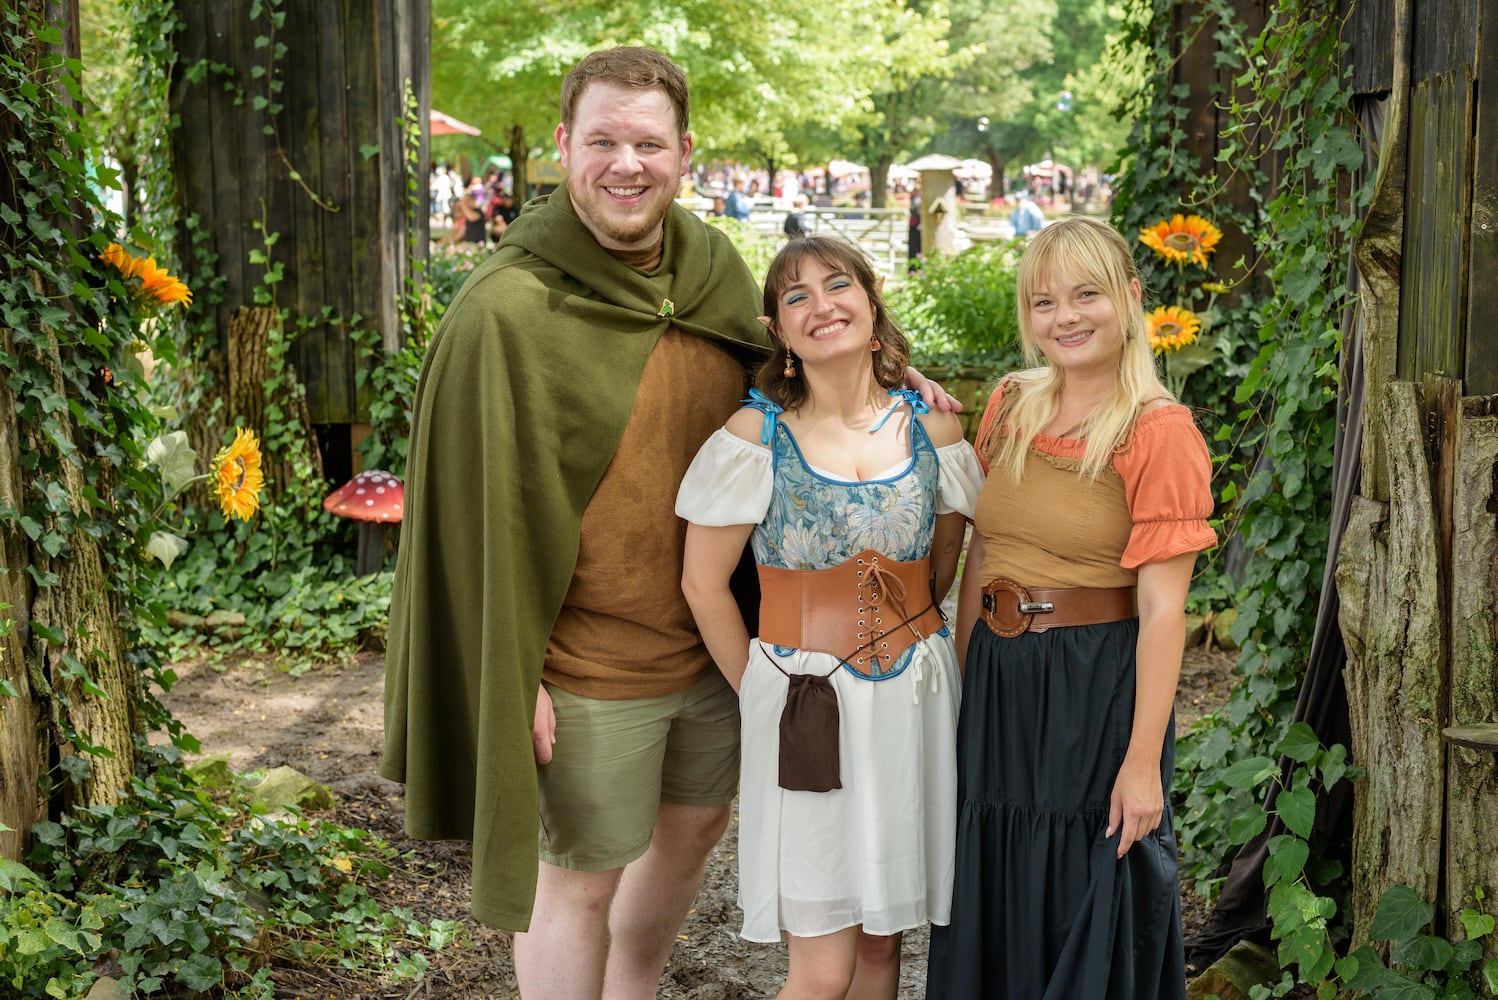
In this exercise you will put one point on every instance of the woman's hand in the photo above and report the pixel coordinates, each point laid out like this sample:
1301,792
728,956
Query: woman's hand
1137,802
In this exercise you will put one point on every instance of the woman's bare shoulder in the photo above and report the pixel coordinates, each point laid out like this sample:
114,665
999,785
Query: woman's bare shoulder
747,424
942,427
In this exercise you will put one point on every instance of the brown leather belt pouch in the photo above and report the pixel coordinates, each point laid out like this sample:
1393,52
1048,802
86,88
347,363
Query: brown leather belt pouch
866,610
1010,609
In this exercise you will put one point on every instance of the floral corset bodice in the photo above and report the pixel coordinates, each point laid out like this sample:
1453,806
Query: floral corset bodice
815,522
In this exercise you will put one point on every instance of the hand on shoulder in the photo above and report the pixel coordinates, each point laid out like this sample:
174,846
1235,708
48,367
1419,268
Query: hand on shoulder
942,427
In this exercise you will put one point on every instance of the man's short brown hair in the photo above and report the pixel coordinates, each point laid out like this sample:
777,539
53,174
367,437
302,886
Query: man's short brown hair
630,66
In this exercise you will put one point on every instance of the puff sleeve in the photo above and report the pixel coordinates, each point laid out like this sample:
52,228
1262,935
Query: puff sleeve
729,482
959,480
1167,474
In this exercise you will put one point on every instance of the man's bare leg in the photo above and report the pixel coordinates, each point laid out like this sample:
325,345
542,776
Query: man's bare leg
654,895
562,956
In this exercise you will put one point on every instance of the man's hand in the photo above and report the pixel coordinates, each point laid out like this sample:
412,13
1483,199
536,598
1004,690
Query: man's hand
933,394
544,730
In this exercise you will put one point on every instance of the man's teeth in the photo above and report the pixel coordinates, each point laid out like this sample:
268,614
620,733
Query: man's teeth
625,192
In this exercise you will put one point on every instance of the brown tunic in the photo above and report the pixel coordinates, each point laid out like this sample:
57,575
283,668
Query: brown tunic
613,641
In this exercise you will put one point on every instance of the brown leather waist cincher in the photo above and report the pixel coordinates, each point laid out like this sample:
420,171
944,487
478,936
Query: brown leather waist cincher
1010,609
865,611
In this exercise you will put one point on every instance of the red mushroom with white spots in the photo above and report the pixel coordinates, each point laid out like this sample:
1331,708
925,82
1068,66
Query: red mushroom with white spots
373,497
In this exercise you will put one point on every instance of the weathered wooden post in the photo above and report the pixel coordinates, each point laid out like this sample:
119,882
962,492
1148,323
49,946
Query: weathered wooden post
938,202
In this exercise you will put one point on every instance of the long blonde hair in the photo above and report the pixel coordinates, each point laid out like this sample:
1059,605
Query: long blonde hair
1086,250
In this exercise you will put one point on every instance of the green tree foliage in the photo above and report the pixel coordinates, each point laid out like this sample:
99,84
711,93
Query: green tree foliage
1062,99
759,71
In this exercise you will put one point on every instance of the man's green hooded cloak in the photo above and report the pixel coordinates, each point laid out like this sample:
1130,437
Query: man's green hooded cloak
523,398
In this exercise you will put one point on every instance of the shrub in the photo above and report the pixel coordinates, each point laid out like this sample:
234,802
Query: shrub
958,310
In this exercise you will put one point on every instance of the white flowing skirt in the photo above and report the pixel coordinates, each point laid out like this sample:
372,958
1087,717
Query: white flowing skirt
878,851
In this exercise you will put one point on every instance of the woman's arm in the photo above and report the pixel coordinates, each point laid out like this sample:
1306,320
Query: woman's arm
711,555
969,596
946,546
1138,799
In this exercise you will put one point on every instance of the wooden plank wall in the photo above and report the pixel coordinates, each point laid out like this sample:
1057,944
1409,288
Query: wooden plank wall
1482,266
1418,569
1208,82
343,251
1472,775
1433,304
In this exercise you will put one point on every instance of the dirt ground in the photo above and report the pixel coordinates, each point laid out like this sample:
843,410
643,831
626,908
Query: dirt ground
327,723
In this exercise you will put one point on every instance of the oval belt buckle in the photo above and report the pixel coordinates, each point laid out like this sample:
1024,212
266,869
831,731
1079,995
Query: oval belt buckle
998,615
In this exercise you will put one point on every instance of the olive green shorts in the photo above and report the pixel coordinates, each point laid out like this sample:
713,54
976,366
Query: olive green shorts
615,762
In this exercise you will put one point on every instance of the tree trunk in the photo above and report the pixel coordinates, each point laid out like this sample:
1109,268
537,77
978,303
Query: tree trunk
1389,579
71,694
22,739
879,182
519,158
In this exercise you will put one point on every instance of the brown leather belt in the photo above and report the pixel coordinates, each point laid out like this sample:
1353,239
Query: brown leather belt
865,611
1010,609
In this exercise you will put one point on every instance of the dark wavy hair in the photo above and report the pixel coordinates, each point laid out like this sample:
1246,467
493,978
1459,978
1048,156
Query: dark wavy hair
835,255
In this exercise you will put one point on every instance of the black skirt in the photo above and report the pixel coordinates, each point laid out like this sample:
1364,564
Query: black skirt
1041,908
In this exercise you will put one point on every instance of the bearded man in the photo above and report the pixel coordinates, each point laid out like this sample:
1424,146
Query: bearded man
547,694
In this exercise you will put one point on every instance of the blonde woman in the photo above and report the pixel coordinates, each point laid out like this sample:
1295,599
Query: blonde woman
854,497
1071,622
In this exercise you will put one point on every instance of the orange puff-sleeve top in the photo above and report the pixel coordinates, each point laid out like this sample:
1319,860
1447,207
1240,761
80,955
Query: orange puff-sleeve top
1059,528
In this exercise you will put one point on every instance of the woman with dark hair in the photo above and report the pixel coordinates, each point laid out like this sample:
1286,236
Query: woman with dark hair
854,498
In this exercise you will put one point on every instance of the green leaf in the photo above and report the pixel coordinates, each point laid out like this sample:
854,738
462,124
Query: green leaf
201,972
1333,765
1297,809
172,454
1248,773
1490,975
1423,953
1300,742
53,635
1287,859
167,547
1401,914
1365,970
1247,826
1476,924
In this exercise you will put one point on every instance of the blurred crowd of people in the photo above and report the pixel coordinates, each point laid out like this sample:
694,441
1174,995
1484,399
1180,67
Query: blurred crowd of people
475,212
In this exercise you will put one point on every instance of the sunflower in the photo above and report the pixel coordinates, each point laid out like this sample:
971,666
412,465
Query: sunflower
239,476
1172,328
157,287
1183,238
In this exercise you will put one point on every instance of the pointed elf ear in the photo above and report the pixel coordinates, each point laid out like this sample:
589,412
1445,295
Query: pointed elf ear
769,324
879,286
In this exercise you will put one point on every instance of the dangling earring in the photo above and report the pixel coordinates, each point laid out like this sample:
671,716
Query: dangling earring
874,344
790,364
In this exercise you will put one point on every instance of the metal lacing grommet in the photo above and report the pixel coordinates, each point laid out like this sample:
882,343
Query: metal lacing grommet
860,562
878,621
860,635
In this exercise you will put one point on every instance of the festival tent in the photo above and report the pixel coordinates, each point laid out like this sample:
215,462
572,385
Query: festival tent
444,124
